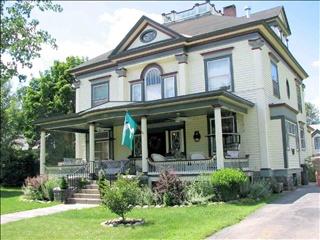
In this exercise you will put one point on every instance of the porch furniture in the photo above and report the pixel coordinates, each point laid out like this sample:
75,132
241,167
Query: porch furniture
112,167
157,157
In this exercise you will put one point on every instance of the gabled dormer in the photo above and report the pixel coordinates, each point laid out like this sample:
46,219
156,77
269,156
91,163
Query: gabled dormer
145,33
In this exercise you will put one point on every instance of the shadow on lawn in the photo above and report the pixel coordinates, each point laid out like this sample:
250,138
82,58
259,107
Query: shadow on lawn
8,193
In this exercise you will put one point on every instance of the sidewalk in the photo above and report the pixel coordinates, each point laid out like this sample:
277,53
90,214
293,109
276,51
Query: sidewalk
12,217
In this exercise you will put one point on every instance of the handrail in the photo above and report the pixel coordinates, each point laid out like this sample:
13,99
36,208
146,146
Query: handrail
74,178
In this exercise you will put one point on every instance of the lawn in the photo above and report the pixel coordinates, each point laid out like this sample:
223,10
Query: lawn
11,201
194,222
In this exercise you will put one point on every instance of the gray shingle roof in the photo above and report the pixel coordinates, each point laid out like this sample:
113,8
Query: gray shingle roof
202,25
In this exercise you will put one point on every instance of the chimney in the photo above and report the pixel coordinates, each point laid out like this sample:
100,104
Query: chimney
230,11
247,9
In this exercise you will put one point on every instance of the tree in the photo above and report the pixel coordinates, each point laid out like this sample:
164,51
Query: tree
313,114
21,38
48,95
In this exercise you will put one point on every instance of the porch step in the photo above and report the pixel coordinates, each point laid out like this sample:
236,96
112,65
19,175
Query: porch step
84,200
92,186
89,191
86,195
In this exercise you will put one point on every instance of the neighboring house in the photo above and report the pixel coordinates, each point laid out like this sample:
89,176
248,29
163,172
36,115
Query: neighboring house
204,84
315,139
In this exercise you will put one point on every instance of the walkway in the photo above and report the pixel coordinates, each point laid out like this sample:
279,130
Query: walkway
296,215
12,217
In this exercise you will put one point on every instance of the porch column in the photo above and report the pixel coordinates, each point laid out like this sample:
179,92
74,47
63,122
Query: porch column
218,134
144,143
91,148
42,152
182,59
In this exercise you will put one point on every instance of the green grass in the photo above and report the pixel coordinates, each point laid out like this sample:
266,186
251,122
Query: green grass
195,222
11,201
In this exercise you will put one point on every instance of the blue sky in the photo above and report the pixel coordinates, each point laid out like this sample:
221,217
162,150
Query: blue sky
89,28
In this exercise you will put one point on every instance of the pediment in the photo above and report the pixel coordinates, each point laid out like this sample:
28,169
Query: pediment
145,32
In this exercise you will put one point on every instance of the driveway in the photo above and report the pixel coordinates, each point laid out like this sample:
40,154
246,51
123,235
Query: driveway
296,215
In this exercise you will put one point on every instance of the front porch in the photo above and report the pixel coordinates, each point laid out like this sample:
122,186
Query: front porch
191,136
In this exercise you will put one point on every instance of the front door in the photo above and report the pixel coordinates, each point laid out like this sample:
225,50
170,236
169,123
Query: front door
157,143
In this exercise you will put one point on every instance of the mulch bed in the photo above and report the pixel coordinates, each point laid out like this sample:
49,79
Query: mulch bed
128,222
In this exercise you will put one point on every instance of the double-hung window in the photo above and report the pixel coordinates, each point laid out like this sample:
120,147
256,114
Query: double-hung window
317,143
299,98
169,87
275,79
136,92
100,93
152,84
218,73
302,138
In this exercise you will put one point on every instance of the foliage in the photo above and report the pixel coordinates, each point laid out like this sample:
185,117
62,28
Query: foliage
170,189
200,190
63,183
48,186
259,189
82,183
311,170
32,188
121,196
21,38
313,114
227,183
19,165
147,197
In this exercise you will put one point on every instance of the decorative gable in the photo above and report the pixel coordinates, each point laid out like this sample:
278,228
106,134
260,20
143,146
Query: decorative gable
145,32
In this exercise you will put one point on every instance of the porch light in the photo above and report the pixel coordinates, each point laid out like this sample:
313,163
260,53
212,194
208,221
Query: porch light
196,136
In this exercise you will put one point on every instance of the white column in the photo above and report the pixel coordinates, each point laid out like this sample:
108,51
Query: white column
122,73
182,59
42,152
91,147
218,135
144,143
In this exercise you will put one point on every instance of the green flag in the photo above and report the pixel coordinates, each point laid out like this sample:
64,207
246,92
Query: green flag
129,128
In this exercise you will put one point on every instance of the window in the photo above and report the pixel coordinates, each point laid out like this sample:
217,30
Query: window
169,87
152,80
291,132
100,93
299,97
302,138
275,79
102,145
136,92
317,143
218,74
288,89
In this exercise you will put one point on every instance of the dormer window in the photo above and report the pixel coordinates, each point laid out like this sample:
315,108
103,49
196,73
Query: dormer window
152,80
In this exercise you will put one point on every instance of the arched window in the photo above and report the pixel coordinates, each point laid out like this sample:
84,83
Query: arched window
152,83
288,88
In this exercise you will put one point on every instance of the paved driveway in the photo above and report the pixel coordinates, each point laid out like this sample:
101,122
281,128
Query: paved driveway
296,215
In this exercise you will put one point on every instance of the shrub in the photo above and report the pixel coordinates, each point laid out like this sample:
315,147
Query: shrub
63,183
121,196
32,187
260,189
227,183
200,190
147,197
47,188
170,189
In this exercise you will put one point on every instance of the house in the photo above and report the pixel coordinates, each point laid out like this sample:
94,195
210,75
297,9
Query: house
209,89
315,140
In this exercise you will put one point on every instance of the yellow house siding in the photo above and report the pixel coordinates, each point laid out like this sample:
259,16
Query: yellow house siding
120,152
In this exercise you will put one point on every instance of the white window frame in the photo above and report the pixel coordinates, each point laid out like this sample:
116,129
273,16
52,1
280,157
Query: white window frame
96,102
275,82
146,84
165,79
136,85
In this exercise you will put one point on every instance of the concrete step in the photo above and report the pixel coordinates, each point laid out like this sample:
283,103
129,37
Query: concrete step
86,195
84,200
89,191
92,186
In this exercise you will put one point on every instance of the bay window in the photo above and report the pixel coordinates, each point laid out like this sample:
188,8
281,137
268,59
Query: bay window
218,73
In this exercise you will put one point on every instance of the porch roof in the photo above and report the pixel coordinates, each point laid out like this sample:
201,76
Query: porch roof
108,116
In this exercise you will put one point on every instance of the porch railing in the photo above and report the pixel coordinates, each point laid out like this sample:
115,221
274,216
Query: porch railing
240,162
182,166
61,171
83,172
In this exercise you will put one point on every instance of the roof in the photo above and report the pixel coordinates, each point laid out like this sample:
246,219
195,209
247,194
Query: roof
211,23
196,27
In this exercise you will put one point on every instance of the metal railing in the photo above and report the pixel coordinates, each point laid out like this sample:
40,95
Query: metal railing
83,173
182,166
61,171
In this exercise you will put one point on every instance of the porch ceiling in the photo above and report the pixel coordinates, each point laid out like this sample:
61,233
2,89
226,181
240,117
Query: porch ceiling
159,110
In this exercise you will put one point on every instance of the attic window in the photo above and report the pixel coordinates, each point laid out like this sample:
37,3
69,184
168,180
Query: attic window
148,36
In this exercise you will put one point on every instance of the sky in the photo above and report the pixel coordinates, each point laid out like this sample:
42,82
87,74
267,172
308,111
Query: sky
90,28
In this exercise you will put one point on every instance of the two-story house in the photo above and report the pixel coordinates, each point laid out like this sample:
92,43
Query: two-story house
209,89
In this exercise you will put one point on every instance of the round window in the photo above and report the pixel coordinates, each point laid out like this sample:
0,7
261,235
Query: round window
148,36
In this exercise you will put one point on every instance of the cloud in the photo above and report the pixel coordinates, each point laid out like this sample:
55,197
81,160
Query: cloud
316,63
119,23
